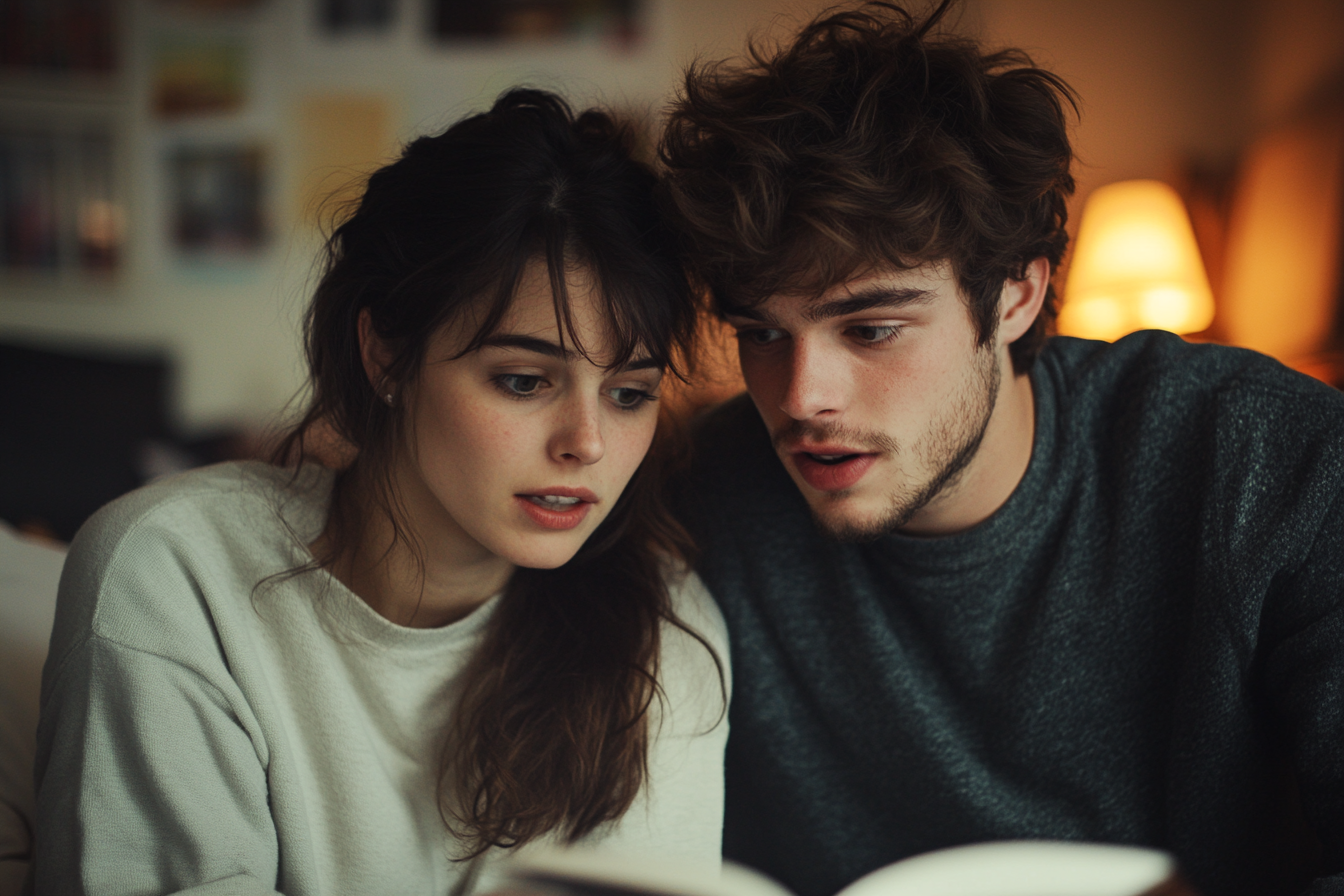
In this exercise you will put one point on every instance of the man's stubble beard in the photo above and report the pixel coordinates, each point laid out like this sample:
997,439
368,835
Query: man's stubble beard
947,448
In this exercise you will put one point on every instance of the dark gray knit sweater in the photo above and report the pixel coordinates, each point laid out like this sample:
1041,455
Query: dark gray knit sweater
1144,645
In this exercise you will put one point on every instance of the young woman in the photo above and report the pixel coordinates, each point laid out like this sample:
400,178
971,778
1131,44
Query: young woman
478,634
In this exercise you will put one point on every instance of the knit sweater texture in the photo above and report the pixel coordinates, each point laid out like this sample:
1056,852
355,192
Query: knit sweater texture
1143,645
202,734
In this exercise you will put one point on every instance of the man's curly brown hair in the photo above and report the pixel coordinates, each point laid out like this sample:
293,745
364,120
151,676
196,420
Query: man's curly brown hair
871,141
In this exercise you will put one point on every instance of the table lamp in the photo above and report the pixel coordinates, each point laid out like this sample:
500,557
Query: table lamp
1135,266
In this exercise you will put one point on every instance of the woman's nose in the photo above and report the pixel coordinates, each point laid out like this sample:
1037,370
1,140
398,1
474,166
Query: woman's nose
578,436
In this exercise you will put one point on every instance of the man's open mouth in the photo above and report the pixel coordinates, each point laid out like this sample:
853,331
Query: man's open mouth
830,459
832,472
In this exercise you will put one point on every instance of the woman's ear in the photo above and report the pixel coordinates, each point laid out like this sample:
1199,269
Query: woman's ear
375,354
1022,299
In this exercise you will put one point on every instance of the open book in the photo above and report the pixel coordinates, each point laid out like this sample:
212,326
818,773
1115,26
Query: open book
1008,868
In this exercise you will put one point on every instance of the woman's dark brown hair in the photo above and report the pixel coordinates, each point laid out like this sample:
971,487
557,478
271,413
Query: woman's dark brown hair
872,140
552,729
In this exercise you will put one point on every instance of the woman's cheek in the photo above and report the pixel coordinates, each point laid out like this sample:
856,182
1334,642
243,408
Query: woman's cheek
636,439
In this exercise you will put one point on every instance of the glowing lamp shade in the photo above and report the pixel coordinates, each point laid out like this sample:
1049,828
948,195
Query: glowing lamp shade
1136,266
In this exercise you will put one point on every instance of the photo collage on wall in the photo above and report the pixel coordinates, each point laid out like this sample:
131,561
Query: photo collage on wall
66,168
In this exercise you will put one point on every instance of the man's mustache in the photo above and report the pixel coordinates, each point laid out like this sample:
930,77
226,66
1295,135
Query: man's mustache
796,431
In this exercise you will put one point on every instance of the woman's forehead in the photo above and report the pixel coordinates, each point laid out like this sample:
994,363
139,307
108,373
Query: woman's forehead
576,323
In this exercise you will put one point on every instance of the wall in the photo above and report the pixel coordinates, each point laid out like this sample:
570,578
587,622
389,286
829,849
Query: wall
1160,81
1297,53
1283,286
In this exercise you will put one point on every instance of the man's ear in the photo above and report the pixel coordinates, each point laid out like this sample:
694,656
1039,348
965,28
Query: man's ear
1021,300
375,354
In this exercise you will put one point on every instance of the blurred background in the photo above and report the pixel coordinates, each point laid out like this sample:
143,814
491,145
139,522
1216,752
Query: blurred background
163,166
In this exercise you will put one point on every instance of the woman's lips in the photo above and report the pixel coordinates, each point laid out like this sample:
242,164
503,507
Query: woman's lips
566,509
837,475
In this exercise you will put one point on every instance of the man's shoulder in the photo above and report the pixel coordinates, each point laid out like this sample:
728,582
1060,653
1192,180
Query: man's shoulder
1258,446
1193,384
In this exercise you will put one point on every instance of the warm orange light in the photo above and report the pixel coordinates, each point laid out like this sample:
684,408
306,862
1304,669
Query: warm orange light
1136,266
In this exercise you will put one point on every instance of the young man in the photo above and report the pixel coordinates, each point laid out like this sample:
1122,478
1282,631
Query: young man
982,584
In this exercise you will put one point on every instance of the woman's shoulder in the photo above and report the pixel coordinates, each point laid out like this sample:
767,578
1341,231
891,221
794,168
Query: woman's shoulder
210,507
695,661
163,563
213,492
693,604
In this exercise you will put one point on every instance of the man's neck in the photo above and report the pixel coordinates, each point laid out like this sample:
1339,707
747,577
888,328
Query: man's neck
998,466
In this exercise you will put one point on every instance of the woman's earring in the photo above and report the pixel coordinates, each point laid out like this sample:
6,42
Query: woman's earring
387,397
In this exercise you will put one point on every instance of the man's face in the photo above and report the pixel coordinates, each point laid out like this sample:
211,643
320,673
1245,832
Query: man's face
876,395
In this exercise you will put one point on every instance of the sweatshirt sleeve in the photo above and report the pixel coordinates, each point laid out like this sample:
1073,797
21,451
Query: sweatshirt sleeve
146,783
148,779
1305,673
680,812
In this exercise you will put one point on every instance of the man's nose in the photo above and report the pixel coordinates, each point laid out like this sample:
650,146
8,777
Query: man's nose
817,381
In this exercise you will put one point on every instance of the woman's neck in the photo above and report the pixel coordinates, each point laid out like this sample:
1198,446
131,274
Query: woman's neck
453,576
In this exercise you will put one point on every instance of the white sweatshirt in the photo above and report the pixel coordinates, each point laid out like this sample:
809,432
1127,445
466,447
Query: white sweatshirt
201,734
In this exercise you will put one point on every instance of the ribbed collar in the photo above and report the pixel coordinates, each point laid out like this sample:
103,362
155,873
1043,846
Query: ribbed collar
303,506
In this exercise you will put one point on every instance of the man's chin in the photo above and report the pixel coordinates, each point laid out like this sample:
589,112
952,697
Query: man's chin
852,516
841,519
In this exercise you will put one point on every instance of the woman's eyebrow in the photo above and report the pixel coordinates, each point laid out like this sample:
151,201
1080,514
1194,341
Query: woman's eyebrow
530,344
553,350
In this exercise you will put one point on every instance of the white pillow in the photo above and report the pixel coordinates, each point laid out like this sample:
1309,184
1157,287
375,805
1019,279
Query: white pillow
29,574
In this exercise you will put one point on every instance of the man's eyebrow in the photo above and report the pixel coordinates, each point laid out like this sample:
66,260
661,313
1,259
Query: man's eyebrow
888,298
552,350
877,297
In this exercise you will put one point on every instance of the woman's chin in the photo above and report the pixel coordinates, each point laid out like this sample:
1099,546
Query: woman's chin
542,551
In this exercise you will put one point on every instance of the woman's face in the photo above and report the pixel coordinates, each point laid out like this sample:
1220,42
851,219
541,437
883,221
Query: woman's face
521,448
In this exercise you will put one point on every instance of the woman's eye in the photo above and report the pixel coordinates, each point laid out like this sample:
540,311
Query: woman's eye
629,398
875,335
760,336
518,384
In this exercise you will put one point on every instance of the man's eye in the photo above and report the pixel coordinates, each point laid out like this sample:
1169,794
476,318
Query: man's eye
761,336
518,384
629,398
875,335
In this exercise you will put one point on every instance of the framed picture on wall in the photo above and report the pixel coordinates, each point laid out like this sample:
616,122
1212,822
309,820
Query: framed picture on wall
197,76
217,199
207,7
613,20
59,207
340,16
78,36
